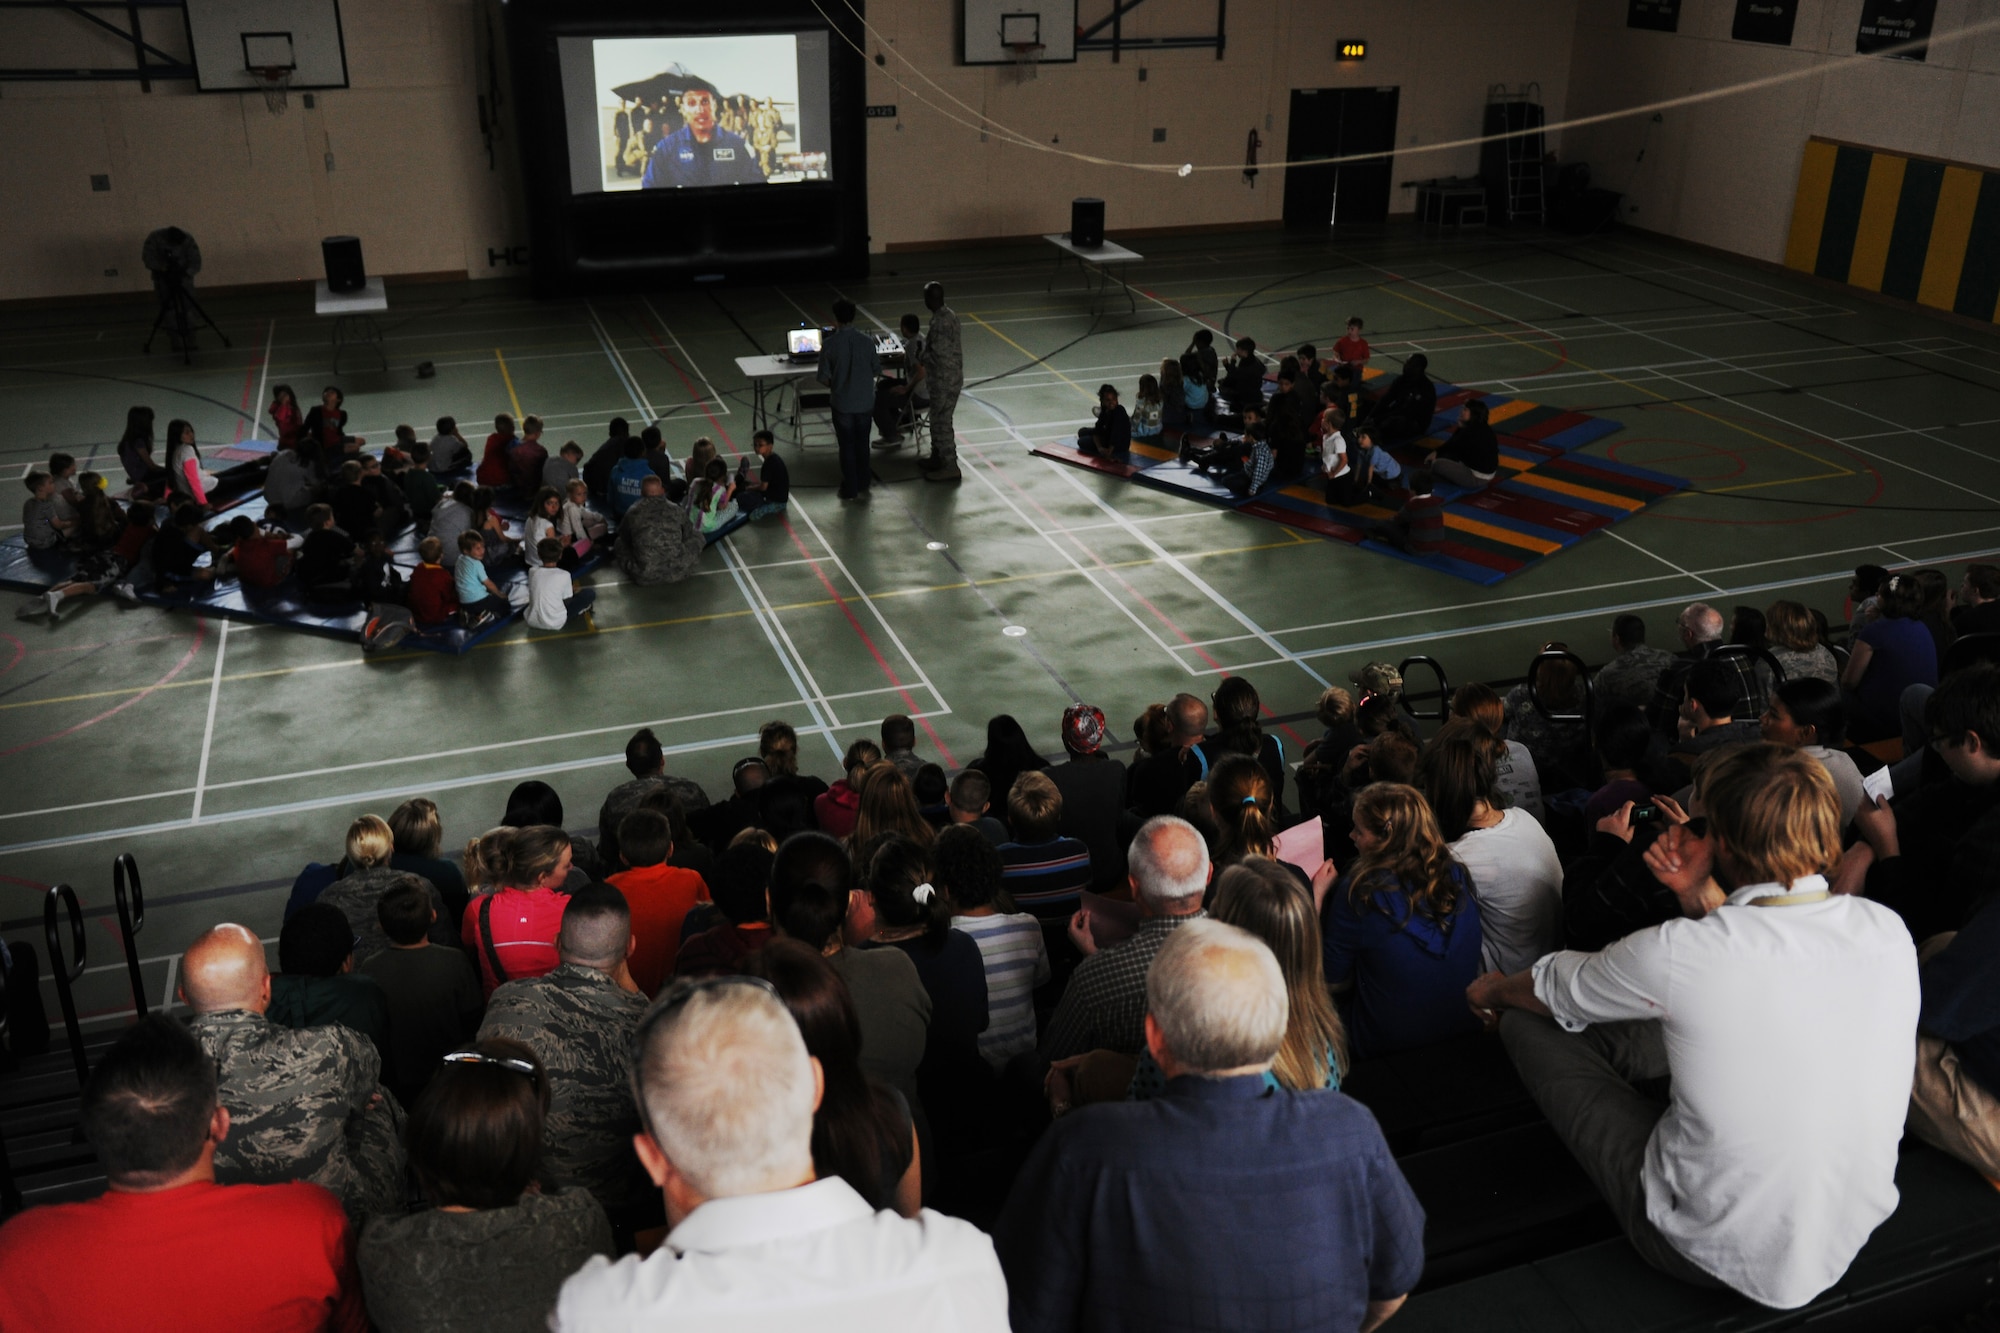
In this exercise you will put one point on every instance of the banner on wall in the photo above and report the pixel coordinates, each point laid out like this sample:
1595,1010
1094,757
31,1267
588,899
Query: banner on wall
1887,22
1653,15
1765,21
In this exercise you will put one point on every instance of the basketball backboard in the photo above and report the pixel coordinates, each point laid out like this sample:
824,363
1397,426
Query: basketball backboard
230,38
993,29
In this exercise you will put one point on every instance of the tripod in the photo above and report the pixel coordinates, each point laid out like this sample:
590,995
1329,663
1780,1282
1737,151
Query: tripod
178,311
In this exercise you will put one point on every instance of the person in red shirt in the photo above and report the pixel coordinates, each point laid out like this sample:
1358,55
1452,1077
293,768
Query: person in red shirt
660,895
836,809
433,595
526,456
493,470
511,929
285,415
166,1248
1352,350
263,556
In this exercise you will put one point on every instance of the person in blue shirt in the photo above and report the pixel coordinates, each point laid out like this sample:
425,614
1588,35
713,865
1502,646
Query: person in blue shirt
849,367
1401,927
1222,1203
700,152
628,477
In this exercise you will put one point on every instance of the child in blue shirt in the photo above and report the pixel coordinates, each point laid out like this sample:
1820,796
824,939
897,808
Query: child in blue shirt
628,478
480,600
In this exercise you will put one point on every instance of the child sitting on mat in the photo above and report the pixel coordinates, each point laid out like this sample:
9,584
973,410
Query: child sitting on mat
708,499
480,600
553,599
1352,350
1111,437
433,600
1146,423
582,525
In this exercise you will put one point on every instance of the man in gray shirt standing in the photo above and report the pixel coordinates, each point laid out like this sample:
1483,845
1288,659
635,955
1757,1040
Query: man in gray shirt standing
944,371
849,367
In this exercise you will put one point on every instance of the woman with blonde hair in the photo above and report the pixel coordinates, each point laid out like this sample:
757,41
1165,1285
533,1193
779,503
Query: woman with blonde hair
419,836
369,875
1402,928
1794,642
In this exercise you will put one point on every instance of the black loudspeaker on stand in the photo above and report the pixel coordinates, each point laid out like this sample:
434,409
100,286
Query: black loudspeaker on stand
1086,223
344,269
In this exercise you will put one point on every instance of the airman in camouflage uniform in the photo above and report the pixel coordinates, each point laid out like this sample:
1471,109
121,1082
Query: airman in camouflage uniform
582,1020
657,543
303,1104
357,895
944,374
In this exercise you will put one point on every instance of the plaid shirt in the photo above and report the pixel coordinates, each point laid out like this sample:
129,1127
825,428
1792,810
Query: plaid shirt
1105,1005
1751,691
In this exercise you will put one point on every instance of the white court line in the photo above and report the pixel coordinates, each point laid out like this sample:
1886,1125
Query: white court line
1655,555
876,611
208,728
618,366
264,379
714,398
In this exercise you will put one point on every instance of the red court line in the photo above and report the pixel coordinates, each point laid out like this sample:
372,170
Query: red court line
249,381
194,648
20,651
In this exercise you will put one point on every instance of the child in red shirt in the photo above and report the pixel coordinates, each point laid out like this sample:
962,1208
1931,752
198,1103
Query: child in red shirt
433,600
285,415
660,895
1352,350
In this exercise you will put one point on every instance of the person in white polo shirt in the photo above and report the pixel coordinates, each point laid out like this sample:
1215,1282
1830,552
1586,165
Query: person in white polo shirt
1786,1016
726,1093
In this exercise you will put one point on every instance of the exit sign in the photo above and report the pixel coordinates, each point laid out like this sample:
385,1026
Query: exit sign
1355,50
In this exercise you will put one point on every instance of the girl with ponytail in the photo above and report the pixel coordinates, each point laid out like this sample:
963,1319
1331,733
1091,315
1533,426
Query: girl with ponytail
1245,808
510,926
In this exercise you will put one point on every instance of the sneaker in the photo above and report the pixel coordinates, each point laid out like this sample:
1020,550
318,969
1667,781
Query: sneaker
479,622
945,474
589,623
889,442
125,593
55,600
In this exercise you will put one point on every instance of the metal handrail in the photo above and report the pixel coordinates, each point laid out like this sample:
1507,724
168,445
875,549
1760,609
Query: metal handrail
66,974
1763,655
1443,695
131,920
1583,674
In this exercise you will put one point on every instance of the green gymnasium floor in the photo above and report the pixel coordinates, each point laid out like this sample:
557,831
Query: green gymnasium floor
1821,431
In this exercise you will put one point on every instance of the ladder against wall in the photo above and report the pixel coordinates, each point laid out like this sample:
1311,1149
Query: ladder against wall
1512,167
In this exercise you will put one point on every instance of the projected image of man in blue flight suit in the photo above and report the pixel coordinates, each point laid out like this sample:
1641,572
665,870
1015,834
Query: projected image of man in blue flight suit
700,152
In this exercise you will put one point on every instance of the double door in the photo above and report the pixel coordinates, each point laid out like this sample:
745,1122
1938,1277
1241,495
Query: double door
1340,122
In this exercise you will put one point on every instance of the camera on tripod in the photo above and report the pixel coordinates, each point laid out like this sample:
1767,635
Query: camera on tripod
173,258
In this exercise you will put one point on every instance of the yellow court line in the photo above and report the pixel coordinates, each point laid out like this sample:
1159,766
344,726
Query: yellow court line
1788,481
509,381
1036,359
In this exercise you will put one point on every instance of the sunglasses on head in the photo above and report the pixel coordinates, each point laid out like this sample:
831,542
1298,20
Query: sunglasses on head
503,1061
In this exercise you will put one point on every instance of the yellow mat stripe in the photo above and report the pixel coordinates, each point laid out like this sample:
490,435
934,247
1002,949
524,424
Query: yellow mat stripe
1458,521
1951,228
1809,209
1878,221
1580,492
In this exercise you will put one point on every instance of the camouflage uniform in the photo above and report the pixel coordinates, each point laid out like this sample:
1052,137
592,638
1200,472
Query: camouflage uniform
582,1025
1630,677
625,798
1561,750
656,542
944,376
298,1103
357,895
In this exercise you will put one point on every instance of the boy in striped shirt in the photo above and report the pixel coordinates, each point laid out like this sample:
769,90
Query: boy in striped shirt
1045,874
969,871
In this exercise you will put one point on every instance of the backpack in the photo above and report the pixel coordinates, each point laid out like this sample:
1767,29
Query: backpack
389,626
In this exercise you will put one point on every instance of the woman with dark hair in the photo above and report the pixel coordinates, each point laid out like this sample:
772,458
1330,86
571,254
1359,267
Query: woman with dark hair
1516,779
1173,396
863,1131
1195,391
285,416
787,796
510,931
885,804
836,809
1471,457
1245,810
497,1242
1238,715
543,512
486,521
1807,715
1891,653
1402,928
1158,773
1008,755
1513,865
533,802
135,450
186,478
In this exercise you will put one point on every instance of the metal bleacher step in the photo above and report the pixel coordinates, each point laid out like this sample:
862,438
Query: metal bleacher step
70,1183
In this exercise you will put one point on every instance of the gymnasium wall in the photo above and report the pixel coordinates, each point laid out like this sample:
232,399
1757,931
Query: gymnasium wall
409,169
1723,173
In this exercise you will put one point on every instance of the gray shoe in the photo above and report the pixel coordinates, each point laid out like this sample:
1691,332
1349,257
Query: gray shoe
125,593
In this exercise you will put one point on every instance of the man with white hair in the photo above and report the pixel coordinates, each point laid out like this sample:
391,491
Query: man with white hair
1104,1007
1223,1203
727,1094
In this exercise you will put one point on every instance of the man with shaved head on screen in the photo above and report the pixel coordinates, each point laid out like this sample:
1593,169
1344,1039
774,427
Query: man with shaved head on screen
700,152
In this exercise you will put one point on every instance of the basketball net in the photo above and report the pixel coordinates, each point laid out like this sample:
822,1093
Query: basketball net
274,80
1027,55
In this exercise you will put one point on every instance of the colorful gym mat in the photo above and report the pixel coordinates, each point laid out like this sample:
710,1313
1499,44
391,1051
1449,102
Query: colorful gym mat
1545,499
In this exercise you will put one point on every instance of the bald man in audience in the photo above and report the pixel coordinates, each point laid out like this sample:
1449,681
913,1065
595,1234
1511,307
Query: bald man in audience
304,1104
727,1094
1227,1202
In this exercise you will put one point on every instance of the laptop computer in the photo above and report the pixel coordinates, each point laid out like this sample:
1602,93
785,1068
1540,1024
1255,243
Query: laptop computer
802,344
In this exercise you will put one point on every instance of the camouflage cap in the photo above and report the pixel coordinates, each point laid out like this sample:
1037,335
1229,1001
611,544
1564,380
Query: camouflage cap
1378,678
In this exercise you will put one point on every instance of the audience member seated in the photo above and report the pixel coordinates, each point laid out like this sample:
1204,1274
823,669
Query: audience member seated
367,874
968,871
660,895
812,887
1782,1014
1195,386
1516,875
1701,629
326,562
1891,653
1111,437
727,1089
1610,891
1708,700
1794,643
493,469
1220,1203
1146,411
742,874
1624,760
1288,425
166,1248
317,983
1245,813
1008,753
886,805
836,809
288,485
1045,873
433,994
511,929
1092,786
646,761
1402,927
1104,1006
717,825
1238,714
1935,851
1806,714
454,515
657,542
419,835
1471,456
497,1242
304,1105
579,1020
449,451
785,802
968,801
1560,749
863,1131
526,458
1171,758
1976,603
1516,781
1404,409
1953,1104
354,509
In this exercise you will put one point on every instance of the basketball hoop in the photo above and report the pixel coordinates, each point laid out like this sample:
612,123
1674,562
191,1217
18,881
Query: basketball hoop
1026,56
274,80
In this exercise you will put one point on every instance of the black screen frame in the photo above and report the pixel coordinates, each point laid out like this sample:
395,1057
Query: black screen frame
584,244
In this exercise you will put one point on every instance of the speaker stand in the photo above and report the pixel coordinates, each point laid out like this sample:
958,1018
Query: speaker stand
178,312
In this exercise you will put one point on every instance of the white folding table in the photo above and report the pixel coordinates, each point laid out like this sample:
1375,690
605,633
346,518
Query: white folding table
353,315
1100,258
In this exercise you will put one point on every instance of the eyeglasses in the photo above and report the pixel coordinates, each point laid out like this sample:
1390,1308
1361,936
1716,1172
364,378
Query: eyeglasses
503,1061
